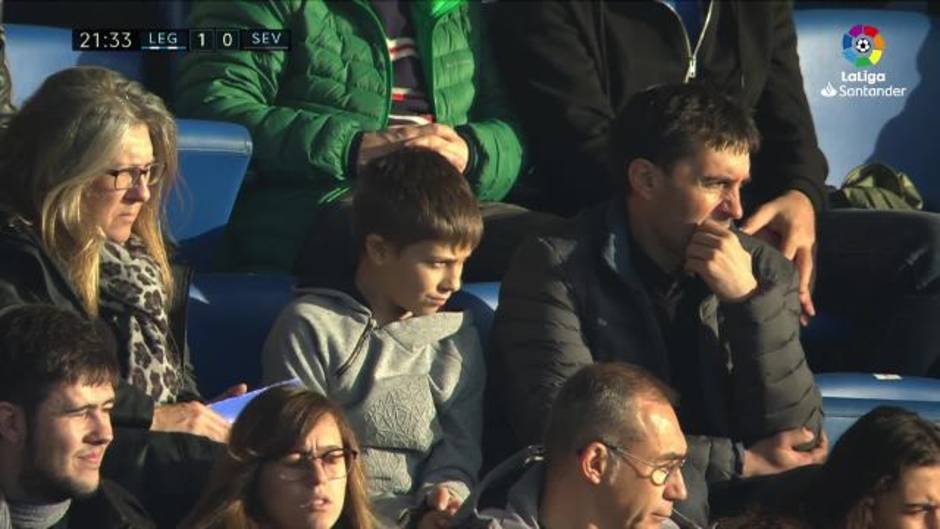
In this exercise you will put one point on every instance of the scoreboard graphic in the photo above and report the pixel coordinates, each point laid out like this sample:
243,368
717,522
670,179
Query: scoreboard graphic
176,40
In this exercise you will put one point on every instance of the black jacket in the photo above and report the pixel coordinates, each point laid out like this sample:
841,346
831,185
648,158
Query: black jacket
571,67
162,469
110,507
573,298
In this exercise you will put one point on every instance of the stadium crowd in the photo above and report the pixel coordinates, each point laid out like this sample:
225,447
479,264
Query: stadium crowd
644,180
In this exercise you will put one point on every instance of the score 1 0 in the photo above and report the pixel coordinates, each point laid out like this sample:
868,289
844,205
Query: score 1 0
181,39
215,39
239,39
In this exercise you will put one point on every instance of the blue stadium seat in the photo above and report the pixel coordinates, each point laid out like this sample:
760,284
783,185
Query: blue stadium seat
480,299
854,130
229,318
894,130
488,292
878,386
848,396
213,157
842,413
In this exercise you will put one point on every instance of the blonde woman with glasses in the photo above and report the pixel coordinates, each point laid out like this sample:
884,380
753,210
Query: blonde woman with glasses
292,463
85,165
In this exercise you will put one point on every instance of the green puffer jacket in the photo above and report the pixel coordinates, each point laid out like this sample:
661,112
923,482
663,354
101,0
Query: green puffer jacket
305,107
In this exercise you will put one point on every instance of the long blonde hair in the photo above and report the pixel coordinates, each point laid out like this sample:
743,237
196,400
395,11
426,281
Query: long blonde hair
269,427
63,138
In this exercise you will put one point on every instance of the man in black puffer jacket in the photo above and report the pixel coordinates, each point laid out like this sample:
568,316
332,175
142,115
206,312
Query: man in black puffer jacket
571,67
658,277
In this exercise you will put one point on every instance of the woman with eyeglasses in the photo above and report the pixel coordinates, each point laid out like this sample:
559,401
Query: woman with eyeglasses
291,463
84,167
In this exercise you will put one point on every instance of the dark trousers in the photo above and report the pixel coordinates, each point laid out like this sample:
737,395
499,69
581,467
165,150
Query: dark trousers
878,286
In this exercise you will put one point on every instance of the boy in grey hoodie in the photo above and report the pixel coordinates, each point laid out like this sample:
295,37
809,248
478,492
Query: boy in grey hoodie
410,377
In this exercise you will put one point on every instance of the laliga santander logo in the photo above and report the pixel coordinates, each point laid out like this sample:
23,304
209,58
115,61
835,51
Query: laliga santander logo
863,46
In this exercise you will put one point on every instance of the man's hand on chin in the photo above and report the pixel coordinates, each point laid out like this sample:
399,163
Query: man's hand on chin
715,254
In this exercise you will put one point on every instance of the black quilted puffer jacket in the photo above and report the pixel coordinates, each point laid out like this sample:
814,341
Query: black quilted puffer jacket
573,298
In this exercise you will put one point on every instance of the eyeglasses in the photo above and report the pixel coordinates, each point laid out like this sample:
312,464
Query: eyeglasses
300,466
661,471
129,177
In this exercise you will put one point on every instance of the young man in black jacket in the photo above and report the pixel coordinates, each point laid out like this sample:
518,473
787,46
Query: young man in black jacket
164,469
571,68
56,396
657,276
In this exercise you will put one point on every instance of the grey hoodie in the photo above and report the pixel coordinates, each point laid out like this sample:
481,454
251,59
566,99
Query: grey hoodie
412,390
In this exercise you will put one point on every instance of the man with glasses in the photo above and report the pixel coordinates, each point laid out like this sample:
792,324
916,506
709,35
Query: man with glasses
613,459
658,277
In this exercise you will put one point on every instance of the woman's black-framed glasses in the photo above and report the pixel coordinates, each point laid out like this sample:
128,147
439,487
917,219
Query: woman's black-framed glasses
333,464
130,177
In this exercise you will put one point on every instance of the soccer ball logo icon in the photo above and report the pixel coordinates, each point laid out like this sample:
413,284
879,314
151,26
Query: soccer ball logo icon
863,45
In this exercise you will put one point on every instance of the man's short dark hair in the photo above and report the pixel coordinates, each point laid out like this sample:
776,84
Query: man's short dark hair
414,195
668,123
42,346
599,403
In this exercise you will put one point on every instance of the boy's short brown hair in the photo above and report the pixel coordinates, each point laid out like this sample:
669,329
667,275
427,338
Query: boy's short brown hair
414,195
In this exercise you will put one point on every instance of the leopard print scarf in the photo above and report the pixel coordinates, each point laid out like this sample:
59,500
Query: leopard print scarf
133,300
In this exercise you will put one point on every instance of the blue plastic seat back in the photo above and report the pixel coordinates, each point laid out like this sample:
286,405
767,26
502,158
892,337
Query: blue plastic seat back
842,413
36,52
480,299
229,318
878,386
854,130
213,157
848,396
